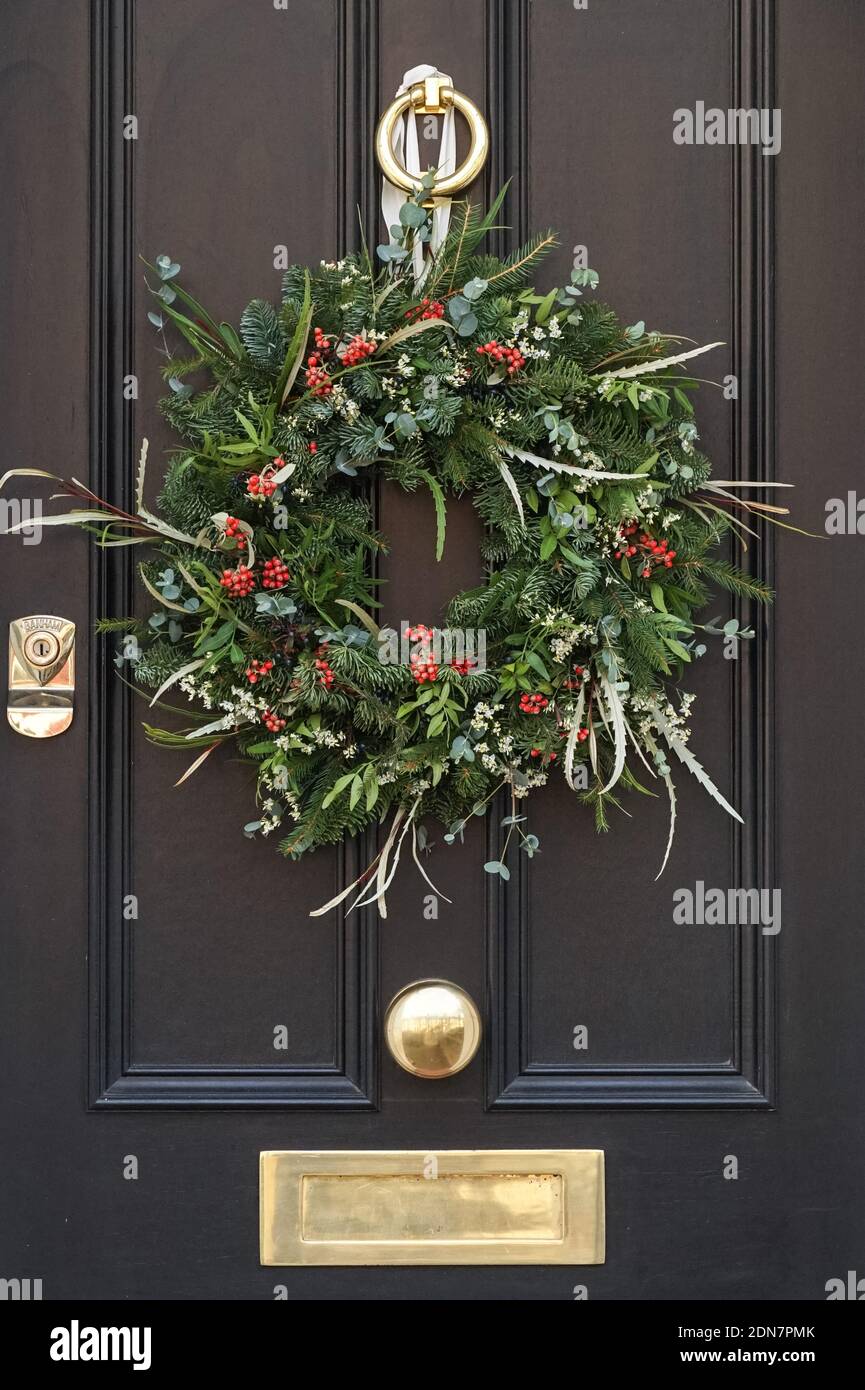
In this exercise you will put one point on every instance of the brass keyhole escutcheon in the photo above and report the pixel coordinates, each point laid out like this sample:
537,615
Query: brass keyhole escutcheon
39,703
432,1028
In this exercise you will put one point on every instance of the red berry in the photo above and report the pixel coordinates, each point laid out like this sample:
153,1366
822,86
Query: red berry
257,669
260,486
239,582
275,574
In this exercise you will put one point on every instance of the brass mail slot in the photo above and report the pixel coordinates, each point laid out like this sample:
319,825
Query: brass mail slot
419,1207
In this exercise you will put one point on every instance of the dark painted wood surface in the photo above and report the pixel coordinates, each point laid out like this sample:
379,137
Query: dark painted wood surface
255,127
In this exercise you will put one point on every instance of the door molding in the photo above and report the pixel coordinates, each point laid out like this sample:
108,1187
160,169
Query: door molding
352,1081
514,1080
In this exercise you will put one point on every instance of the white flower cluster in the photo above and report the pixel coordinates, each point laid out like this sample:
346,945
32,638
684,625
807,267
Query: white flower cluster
316,738
677,720
563,644
198,690
530,352
273,811
522,789
343,404
561,618
495,748
459,375
404,366
272,816
243,707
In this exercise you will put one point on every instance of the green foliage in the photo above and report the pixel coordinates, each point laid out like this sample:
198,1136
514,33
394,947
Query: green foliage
263,334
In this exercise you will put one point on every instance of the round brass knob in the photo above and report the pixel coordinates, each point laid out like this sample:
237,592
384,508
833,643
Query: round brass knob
432,1028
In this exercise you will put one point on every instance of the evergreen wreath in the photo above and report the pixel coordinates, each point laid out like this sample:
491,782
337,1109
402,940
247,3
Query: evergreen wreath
575,438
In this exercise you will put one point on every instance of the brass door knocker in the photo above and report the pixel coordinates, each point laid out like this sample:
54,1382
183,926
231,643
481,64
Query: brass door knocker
432,97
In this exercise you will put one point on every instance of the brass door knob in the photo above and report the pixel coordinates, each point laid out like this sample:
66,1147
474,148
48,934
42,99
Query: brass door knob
432,1028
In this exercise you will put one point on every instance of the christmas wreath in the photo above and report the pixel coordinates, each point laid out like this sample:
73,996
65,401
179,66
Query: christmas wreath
575,438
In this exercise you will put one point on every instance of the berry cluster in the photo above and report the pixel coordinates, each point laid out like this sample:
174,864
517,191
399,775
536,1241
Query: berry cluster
275,573
536,753
573,682
357,349
239,582
234,533
256,669
427,309
260,486
326,674
317,378
463,667
654,552
533,704
496,353
423,669
272,721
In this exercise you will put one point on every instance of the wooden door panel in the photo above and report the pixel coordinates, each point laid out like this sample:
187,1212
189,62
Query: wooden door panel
680,1012
240,144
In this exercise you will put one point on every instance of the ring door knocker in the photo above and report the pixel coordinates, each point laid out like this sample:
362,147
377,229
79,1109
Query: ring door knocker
432,97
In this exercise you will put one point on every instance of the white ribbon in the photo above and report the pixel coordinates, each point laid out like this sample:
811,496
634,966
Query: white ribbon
405,147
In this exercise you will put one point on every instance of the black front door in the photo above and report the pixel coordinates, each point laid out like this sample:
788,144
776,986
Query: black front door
171,1009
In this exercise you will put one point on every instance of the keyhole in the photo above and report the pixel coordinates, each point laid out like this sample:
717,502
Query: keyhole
41,648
